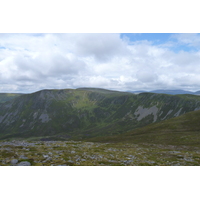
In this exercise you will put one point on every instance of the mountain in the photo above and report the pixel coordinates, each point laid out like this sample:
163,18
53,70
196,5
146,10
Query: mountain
8,96
87,112
197,93
179,131
172,92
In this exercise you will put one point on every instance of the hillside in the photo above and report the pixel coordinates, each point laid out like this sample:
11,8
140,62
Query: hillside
87,112
182,130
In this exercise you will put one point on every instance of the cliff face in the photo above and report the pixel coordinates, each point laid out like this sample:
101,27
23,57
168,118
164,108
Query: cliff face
87,112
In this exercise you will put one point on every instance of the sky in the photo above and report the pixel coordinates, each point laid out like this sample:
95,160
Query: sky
118,61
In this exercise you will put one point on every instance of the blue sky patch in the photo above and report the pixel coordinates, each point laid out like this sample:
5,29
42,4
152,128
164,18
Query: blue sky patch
160,39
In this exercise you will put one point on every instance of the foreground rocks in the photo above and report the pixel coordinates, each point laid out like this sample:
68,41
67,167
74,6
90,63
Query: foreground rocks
73,153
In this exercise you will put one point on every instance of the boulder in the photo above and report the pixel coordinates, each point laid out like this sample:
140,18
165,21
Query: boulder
13,161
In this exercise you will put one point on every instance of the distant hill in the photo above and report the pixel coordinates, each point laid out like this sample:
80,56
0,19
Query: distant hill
197,93
172,92
87,112
8,96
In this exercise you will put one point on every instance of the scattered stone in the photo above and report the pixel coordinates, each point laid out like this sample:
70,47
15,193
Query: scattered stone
24,163
48,159
189,159
70,161
150,162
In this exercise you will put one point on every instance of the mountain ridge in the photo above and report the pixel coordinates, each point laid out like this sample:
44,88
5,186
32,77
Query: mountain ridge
172,92
84,113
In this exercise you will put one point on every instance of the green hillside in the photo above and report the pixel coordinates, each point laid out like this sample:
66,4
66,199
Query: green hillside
87,112
182,130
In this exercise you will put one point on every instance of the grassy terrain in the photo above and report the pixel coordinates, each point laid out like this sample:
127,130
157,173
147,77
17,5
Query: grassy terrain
182,130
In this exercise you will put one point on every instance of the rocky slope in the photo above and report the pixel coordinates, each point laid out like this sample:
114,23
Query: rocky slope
87,112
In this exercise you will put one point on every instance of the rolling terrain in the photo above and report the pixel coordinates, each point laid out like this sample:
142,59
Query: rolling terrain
87,112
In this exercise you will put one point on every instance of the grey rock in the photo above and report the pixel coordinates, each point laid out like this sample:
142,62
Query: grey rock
14,162
189,159
70,161
44,117
141,112
24,163
48,159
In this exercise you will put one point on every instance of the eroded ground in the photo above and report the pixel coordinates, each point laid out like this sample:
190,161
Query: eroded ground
73,153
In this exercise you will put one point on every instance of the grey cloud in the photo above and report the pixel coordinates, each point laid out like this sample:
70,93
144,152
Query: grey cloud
146,76
102,46
48,65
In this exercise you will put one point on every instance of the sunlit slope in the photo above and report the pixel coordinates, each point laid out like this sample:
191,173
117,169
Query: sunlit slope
87,112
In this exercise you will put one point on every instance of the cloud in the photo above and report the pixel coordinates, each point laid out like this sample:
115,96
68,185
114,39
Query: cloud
103,47
30,62
146,76
190,39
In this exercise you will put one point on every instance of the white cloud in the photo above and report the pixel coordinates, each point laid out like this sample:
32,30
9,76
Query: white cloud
31,62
